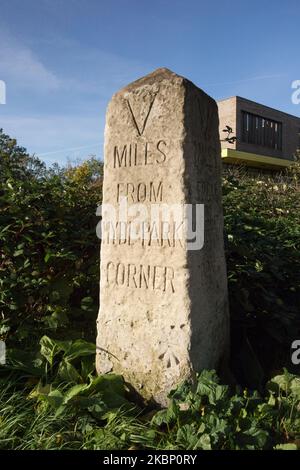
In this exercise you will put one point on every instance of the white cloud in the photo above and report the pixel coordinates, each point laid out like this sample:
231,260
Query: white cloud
245,80
78,95
19,64
91,70
56,138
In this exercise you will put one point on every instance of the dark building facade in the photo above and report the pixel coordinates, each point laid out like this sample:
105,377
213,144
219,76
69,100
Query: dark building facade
265,137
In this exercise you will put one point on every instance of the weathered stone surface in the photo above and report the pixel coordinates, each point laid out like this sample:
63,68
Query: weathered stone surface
163,309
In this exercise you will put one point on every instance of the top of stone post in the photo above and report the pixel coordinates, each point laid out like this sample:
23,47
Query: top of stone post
156,76
159,75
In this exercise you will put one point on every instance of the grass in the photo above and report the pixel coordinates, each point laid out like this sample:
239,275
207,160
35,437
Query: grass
47,413
24,425
28,425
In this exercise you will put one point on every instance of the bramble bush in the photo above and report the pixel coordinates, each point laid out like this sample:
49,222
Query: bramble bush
262,222
49,254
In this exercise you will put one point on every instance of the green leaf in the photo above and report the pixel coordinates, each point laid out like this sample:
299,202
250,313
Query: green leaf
47,257
281,382
295,387
112,388
289,446
167,416
55,398
4,230
68,373
259,436
79,348
18,253
159,418
75,391
204,442
207,385
87,303
50,348
187,436
87,367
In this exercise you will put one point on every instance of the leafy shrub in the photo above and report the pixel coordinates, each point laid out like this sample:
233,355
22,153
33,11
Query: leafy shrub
262,221
208,416
49,255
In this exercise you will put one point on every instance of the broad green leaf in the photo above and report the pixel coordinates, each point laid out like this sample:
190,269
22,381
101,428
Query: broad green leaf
204,442
289,446
55,398
68,373
79,348
50,348
75,391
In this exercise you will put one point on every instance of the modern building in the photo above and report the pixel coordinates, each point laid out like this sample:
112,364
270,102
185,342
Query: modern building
265,137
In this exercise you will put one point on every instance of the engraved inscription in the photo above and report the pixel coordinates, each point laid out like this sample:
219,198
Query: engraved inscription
169,358
140,192
204,154
154,234
205,118
139,154
146,277
140,127
207,190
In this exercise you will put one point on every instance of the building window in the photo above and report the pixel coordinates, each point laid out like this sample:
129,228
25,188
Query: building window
261,131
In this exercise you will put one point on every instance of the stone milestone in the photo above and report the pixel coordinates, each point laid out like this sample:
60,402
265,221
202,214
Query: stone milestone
163,302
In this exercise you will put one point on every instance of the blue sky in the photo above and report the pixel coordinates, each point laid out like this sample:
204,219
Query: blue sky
62,60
